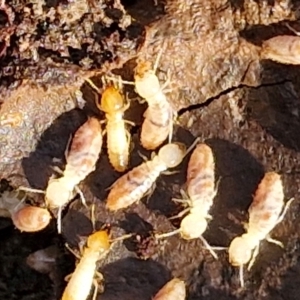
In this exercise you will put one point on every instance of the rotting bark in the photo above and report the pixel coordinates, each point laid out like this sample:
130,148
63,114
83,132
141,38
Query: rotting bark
212,50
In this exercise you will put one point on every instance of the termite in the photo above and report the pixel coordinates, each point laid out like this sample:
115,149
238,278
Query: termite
172,290
132,186
24,216
265,212
201,192
80,284
158,123
118,137
284,49
81,161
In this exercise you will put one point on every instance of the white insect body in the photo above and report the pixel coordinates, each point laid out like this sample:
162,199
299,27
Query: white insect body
172,290
79,286
24,216
118,138
81,161
201,192
132,186
284,49
265,212
158,122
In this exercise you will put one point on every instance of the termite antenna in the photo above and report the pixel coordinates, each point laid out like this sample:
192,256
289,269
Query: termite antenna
191,147
208,247
92,84
30,190
167,234
121,238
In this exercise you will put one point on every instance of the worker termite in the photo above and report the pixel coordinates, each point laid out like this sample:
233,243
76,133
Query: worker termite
265,212
284,49
24,216
79,286
132,186
158,123
81,161
118,138
201,192
172,290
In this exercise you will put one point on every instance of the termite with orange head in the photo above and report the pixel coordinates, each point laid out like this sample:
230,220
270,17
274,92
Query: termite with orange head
80,284
265,212
24,216
201,192
118,138
132,186
172,290
81,161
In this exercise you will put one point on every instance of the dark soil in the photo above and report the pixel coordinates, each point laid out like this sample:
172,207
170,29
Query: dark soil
245,108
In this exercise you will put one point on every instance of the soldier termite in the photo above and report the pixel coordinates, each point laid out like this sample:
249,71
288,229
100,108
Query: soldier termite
284,49
24,216
201,192
81,161
79,286
118,138
172,290
132,186
265,212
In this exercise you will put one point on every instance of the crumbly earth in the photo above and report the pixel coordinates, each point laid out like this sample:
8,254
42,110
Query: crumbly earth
245,108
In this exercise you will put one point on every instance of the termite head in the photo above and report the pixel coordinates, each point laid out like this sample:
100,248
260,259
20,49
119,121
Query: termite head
99,240
58,193
192,226
172,154
240,251
31,218
111,100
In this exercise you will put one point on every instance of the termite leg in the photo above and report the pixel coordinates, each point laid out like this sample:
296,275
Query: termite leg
286,207
254,254
78,190
67,148
241,275
292,29
93,219
129,122
181,214
145,158
68,277
208,247
156,63
276,242
167,234
123,81
26,189
73,252
170,131
59,213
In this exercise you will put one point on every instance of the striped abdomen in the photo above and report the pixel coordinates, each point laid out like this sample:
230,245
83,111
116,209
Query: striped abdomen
157,124
117,144
266,206
201,178
132,186
84,152
284,49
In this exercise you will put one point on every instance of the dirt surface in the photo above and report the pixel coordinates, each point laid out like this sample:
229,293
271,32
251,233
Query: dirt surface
245,108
